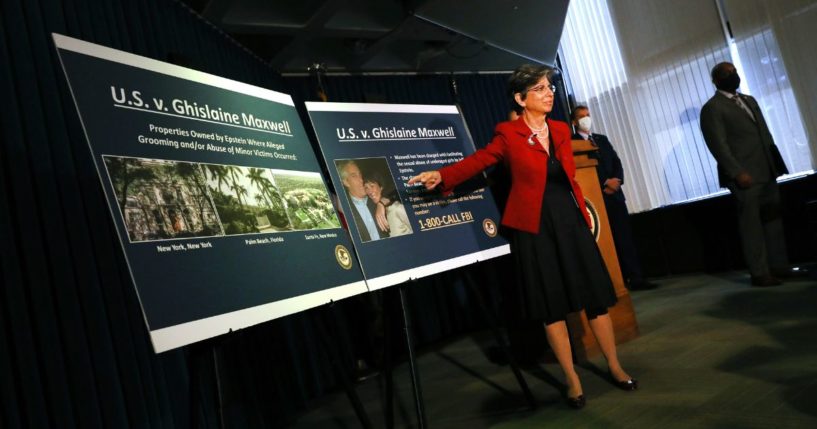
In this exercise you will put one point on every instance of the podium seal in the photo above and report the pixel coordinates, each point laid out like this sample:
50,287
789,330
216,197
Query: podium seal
595,227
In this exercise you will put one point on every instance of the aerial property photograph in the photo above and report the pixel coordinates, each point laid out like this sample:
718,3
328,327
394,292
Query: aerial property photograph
307,200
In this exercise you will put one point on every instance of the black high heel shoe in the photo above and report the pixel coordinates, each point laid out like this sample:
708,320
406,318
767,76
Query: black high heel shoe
576,403
628,385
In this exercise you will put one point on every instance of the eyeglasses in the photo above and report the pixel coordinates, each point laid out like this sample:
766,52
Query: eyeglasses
539,89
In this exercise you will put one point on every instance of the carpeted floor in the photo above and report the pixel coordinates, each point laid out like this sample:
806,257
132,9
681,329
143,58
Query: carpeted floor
713,353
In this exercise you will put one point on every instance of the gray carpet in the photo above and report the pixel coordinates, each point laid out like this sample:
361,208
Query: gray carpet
713,353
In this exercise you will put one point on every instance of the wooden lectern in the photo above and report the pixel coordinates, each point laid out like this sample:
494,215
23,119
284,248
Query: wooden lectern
622,314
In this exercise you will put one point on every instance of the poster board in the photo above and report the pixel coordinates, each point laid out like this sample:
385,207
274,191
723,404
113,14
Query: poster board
216,194
390,143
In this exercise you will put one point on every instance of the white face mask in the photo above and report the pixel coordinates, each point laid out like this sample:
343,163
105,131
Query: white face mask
584,124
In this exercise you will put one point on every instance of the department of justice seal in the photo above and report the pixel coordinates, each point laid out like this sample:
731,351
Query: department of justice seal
343,257
489,227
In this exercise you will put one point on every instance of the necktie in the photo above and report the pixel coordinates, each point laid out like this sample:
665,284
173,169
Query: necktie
742,104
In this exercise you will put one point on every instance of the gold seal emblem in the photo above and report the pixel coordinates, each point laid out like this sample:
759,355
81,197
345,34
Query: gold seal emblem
343,257
489,227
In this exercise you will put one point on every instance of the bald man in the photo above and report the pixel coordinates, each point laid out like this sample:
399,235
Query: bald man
748,165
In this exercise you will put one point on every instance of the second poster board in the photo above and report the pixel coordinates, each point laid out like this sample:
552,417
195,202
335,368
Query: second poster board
372,150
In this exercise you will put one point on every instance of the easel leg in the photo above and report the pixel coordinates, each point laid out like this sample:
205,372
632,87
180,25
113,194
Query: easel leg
500,339
196,354
332,355
388,412
194,385
219,396
415,376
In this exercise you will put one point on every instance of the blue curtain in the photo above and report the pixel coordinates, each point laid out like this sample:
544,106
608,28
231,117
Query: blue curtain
74,351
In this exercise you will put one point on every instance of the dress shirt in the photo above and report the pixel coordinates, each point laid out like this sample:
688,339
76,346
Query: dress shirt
588,137
362,206
739,101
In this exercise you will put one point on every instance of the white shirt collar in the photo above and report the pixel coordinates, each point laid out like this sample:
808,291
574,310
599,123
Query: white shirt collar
728,94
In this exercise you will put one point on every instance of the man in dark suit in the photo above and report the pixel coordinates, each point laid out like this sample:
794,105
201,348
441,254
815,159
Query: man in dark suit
611,177
748,165
363,209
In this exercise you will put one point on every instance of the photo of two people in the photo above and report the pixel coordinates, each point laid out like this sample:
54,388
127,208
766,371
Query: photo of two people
372,193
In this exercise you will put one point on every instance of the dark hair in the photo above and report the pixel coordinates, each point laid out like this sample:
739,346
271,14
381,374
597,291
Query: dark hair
523,78
373,177
576,111
390,193
717,72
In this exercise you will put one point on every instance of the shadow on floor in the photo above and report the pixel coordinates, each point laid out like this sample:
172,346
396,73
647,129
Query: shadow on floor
788,315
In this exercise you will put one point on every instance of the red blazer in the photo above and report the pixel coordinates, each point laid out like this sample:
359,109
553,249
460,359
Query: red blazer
528,167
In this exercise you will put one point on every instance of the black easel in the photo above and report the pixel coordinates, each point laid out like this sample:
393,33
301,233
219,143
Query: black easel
493,320
419,405
200,351
415,377
330,350
196,354
388,412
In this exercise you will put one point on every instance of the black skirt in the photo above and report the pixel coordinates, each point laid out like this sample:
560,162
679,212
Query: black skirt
559,270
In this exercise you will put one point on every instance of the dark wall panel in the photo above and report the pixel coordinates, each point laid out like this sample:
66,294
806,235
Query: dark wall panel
703,236
74,347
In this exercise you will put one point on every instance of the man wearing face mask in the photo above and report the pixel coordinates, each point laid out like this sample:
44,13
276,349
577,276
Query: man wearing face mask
748,164
611,177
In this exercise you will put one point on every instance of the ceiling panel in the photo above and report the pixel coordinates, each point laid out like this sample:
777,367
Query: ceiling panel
393,35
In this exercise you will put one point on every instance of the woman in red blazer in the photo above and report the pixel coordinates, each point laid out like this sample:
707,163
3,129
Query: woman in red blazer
558,264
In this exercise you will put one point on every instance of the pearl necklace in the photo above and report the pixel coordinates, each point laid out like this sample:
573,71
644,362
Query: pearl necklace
536,133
